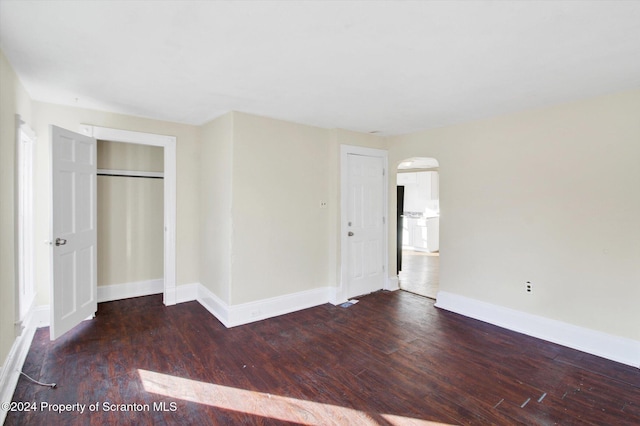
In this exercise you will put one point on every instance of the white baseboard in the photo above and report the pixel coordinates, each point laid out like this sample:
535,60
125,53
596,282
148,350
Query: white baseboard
12,367
276,306
40,317
212,303
169,296
615,348
336,296
107,293
393,284
234,315
186,292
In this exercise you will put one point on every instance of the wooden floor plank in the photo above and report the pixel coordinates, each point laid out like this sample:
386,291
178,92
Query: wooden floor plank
393,358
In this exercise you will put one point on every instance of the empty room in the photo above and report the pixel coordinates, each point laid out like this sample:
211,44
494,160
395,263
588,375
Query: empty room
320,212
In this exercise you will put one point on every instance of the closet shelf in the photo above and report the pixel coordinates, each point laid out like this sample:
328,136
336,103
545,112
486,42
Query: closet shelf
130,173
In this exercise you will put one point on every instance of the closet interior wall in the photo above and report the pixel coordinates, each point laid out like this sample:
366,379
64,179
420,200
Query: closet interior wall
130,213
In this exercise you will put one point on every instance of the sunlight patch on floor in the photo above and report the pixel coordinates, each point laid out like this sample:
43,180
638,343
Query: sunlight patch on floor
264,404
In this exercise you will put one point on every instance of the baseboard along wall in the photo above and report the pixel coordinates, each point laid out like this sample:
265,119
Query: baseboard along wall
12,367
234,315
615,348
108,293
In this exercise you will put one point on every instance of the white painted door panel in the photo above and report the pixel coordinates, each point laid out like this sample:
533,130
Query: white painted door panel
365,226
73,227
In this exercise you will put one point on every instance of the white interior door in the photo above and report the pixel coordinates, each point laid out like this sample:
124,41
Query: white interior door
73,230
365,224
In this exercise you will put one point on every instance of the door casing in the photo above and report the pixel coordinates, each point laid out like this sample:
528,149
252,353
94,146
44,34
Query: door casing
170,171
25,249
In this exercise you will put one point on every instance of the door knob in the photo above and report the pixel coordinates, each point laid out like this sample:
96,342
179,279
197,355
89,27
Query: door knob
350,234
60,241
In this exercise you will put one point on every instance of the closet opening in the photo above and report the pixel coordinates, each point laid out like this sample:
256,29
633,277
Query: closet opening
130,219
168,146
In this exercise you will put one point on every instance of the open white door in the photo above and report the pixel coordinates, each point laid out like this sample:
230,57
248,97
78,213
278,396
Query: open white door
73,230
365,224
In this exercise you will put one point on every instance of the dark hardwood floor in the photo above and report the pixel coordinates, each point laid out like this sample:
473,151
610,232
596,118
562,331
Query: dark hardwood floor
420,273
390,359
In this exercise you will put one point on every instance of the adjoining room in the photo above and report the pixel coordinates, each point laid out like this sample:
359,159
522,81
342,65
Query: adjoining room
418,229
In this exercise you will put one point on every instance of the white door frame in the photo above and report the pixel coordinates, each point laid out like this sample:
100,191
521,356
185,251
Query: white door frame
169,145
346,150
25,293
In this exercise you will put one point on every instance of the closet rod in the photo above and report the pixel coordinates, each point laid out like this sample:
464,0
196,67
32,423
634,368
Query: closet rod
131,176
130,173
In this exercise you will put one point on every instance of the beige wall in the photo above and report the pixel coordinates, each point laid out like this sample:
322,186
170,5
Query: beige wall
187,147
130,215
130,156
280,233
550,196
215,205
263,232
13,100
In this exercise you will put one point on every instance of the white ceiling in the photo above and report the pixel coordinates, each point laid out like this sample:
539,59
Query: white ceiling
388,67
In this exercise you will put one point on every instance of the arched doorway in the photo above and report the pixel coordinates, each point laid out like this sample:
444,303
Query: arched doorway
418,219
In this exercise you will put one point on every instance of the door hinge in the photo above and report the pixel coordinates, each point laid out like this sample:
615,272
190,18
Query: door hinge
383,172
384,220
382,268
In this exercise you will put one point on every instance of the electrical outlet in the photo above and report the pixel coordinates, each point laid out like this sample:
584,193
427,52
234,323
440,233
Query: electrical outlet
323,204
528,287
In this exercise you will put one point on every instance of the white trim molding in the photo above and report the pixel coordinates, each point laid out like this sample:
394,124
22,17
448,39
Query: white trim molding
107,293
392,283
335,296
245,313
12,367
187,292
170,191
212,303
615,348
25,292
10,372
267,308
40,317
